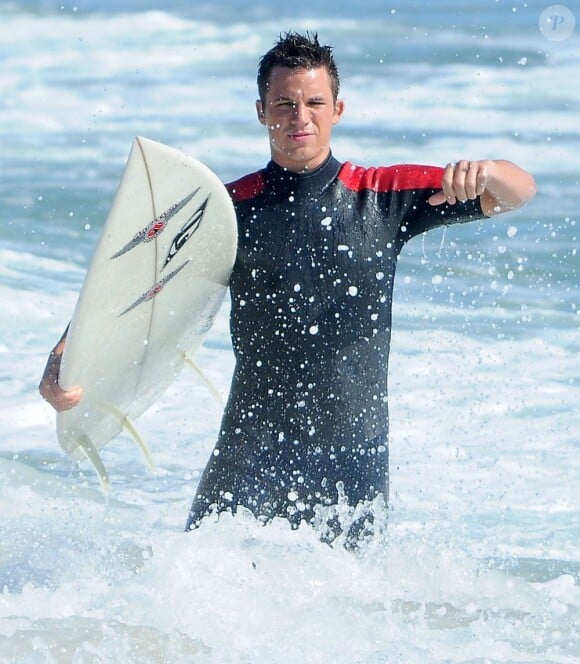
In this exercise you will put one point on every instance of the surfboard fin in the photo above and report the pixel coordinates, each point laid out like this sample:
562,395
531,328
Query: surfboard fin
90,451
208,383
141,444
127,424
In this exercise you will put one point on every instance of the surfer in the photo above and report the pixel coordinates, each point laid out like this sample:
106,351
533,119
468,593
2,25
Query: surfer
304,432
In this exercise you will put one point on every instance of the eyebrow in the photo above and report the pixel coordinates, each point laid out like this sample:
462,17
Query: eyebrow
292,100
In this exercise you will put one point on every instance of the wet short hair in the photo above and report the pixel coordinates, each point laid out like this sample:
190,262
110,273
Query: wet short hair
297,51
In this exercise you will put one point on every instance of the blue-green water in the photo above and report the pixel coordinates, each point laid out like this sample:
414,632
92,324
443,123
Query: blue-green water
482,561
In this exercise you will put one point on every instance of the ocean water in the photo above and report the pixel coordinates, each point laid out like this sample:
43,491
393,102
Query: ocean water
482,558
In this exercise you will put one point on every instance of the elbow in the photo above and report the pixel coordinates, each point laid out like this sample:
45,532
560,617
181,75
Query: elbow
529,188
523,189
520,191
533,188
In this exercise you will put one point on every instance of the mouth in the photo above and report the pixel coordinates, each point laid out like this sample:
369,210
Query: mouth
300,135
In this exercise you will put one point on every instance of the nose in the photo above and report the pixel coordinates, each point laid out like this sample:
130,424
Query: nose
300,114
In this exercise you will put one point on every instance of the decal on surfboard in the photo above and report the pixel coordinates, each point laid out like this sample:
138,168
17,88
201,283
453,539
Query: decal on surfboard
154,290
187,230
157,226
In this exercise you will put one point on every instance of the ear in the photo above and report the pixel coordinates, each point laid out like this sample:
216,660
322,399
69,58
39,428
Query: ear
338,111
260,112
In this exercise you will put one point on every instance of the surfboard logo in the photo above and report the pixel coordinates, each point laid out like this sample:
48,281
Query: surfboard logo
157,226
187,230
154,290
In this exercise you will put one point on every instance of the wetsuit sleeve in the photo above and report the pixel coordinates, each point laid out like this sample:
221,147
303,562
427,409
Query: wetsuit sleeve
411,188
401,194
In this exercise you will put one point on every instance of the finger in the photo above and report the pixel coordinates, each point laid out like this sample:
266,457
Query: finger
481,180
58,398
72,393
70,398
460,177
67,399
437,199
447,184
471,178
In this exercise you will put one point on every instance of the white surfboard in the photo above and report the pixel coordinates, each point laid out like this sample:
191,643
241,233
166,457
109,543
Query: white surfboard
156,281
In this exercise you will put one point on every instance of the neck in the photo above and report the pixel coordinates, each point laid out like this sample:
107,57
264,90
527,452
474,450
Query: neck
306,170
294,186
297,166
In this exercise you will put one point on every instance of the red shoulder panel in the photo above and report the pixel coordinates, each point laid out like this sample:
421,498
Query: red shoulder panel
246,187
390,178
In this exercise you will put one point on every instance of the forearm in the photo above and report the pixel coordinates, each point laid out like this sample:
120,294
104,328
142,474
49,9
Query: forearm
49,388
507,187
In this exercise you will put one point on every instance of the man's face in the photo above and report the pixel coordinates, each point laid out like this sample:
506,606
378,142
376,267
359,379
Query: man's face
299,112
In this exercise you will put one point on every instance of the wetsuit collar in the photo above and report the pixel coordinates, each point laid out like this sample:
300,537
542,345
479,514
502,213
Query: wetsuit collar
296,186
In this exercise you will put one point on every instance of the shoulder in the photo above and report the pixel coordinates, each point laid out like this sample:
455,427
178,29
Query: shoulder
400,177
247,187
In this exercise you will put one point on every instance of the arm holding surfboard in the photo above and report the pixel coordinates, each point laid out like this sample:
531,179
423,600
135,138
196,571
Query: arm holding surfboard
61,400
49,388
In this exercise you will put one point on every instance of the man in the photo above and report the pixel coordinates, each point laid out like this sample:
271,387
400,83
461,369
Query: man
306,423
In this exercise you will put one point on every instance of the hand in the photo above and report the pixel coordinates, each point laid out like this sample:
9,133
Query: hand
49,388
462,181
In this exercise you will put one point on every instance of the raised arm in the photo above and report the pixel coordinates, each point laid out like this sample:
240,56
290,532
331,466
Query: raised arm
49,388
502,185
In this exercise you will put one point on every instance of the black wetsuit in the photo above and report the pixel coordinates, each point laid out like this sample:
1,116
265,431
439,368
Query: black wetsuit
311,297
